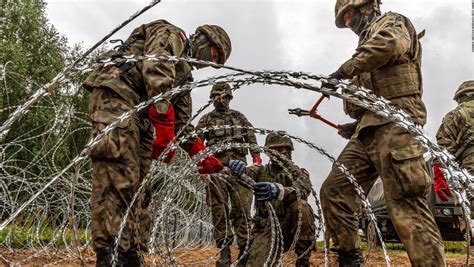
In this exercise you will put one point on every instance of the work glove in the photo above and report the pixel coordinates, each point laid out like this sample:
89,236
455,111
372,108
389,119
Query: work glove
332,82
440,186
237,166
164,131
265,191
347,130
257,160
208,165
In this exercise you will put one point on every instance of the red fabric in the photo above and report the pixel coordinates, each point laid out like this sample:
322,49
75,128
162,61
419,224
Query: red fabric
440,186
208,165
164,130
257,160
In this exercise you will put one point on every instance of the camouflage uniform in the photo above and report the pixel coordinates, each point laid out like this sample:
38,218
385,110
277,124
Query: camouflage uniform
456,130
287,211
219,192
121,159
387,61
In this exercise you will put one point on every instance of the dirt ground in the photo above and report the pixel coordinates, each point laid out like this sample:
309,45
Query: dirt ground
200,257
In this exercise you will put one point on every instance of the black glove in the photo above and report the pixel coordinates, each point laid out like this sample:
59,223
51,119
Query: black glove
237,166
347,130
267,191
332,82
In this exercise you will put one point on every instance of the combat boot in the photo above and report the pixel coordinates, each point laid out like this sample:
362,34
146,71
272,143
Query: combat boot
243,258
132,258
224,258
302,263
350,259
104,257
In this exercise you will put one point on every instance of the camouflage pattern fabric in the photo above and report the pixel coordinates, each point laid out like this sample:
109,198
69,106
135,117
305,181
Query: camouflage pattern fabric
391,71
456,134
287,211
123,157
386,61
230,203
120,161
397,157
220,192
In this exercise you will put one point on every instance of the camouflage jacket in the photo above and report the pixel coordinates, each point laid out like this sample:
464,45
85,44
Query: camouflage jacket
388,62
300,182
233,118
140,80
457,129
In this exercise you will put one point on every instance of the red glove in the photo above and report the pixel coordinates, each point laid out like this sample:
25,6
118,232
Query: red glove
440,186
208,165
257,160
164,130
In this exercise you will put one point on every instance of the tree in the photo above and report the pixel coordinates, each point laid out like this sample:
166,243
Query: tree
45,140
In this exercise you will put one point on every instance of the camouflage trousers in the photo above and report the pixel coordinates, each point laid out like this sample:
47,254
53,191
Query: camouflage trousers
397,157
260,253
120,161
230,204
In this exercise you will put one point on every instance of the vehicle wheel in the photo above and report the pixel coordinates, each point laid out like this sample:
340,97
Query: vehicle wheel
371,235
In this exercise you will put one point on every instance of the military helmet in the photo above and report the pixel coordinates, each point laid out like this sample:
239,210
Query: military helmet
219,38
221,88
278,139
344,5
465,87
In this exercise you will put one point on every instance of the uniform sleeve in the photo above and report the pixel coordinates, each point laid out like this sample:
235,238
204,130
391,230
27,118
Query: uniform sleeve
254,172
389,42
449,131
301,183
250,137
159,76
201,125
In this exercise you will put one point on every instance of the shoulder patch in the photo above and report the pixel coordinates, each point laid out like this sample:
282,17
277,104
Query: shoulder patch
306,172
381,17
182,37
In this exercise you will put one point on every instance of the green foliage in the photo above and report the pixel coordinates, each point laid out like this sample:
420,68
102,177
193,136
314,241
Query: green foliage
55,130
19,237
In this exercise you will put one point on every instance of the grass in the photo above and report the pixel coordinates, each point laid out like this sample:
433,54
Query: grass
451,248
19,237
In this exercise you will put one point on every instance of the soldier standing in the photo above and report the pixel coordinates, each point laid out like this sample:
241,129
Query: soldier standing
219,192
288,196
456,134
387,61
457,129
121,159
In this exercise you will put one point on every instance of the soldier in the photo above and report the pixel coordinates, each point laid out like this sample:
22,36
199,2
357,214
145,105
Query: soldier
288,196
220,191
456,131
122,158
387,61
456,135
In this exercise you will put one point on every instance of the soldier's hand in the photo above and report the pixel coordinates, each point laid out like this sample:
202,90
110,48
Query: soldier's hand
440,185
265,191
237,166
347,130
334,78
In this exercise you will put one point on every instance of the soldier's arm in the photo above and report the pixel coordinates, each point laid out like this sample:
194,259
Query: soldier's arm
250,137
159,76
390,41
254,172
449,130
301,184
202,124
